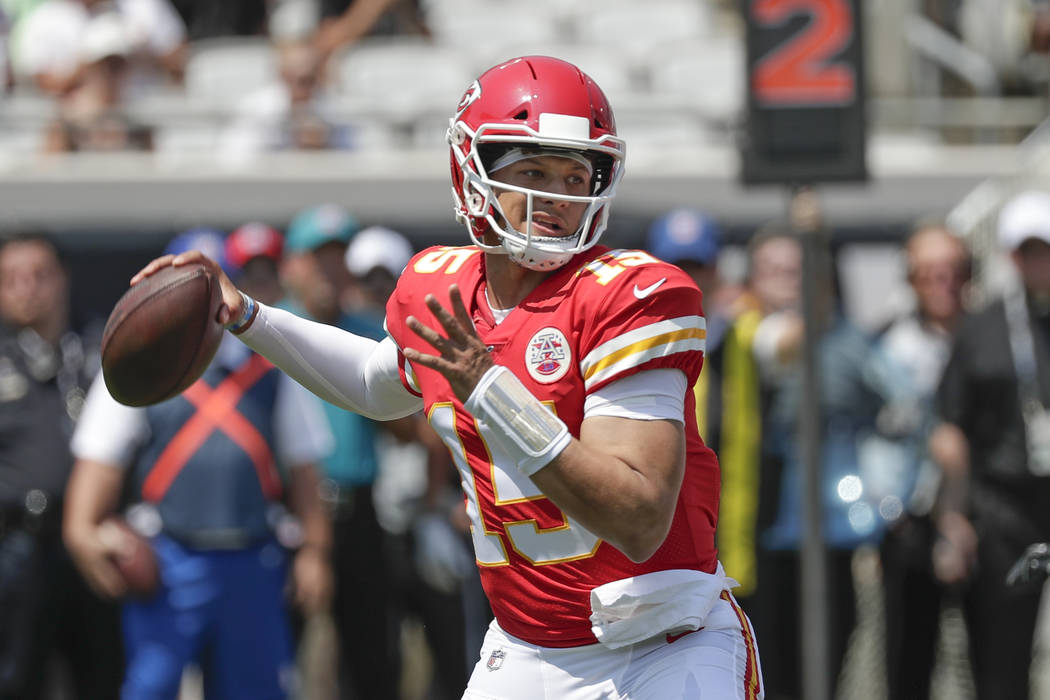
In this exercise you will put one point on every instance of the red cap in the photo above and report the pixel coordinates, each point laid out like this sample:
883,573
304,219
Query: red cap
252,240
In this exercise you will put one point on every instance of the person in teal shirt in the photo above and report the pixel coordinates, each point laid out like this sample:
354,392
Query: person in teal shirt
317,281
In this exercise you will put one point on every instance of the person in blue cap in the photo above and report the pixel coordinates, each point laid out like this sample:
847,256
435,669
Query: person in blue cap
692,240
210,477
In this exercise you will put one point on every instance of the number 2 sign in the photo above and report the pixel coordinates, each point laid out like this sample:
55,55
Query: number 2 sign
805,101
804,68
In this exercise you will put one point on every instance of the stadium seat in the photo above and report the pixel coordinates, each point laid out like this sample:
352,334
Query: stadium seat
653,131
635,28
484,27
222,70
609,68
428,132
373,135
172,140
20,140
708,74
402,78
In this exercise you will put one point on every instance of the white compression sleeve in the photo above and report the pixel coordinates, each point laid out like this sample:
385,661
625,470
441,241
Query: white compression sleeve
350,371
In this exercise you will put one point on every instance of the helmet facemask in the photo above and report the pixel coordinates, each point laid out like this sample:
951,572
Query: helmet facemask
479,208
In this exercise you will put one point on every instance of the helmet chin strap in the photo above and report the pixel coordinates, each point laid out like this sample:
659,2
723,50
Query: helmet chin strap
526,255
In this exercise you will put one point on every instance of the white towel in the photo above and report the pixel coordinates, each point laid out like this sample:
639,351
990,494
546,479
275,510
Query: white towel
674,601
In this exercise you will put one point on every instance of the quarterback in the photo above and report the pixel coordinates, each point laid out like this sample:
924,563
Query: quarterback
557,372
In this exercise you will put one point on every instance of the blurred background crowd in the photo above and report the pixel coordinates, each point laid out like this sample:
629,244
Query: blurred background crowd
306,137
239,77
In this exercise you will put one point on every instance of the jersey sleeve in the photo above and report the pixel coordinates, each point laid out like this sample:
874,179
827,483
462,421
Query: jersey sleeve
427,272
649,318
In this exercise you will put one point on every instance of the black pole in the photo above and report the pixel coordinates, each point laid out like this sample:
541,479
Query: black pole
805,221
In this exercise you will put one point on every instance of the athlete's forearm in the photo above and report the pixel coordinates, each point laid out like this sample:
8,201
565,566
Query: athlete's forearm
950,451
618,490
306,503
350,371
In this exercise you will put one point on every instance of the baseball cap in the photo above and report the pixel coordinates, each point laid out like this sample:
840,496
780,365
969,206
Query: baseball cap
1025,216
378,246
311,228
252,240
684,234
206,240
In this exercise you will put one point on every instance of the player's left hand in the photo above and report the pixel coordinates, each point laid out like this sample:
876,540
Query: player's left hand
462,356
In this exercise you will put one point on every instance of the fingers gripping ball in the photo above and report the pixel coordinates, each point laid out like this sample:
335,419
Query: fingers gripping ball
161,335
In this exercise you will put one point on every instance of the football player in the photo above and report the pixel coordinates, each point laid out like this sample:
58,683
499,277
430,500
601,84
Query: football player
557,372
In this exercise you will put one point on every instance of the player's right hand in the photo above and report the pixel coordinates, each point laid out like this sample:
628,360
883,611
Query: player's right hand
93,552
232,306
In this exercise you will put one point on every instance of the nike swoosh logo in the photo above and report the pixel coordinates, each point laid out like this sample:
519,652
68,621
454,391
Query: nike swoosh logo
643,293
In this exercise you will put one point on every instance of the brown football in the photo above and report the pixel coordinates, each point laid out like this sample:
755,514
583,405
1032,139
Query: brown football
136,561
161,335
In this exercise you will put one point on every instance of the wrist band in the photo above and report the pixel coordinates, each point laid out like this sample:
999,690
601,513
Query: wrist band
526,429
251,309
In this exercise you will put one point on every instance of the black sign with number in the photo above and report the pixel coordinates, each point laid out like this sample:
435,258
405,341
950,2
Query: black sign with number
805,118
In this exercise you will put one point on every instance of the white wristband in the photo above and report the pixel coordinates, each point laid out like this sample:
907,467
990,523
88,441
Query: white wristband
526,429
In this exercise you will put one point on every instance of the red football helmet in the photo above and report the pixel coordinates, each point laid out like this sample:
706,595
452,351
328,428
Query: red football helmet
532,102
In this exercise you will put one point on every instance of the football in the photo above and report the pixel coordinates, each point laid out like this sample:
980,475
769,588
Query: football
161,335
136,560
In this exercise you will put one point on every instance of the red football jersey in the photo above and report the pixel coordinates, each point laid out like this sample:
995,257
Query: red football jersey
604,316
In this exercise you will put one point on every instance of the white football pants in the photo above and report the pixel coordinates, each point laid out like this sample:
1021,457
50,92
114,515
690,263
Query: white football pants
721,663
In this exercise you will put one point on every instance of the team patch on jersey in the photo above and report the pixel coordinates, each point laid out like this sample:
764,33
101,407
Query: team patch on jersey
547,355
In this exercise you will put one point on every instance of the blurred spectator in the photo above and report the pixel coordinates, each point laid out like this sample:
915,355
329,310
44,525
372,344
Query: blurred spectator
911,353
206,19
345,21
255,250
993,449
92,113
7,77
315,274
760,533
417,494
292,113
47,43
375,258
691,240
1014,35
208,473
46,610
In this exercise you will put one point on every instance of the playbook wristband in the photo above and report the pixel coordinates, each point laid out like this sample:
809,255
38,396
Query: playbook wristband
251,310
526,429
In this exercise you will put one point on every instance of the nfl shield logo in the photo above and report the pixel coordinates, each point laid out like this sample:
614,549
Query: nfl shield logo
548,356
495,659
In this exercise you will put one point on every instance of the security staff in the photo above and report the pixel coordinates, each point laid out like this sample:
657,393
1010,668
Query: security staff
210,472
45,367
